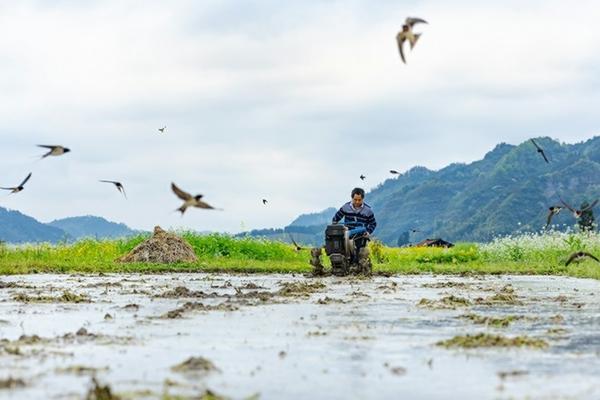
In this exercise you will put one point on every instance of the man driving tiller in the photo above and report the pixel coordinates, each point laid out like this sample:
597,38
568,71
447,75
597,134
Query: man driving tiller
346,245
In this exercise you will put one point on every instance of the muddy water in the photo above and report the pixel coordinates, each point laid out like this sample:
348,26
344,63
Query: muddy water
351,339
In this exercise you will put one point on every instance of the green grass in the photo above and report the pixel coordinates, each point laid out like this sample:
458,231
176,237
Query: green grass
526,254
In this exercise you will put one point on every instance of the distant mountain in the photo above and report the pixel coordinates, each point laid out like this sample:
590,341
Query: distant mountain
508,191
16,227
19,228
319,218
93,227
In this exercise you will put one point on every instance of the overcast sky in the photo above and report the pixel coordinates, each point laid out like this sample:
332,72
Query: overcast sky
289,101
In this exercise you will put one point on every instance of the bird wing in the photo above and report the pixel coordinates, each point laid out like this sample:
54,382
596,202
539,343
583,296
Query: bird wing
201,204
113,182
3,188
593,257
400,38
180,193
412,21
26,179
566,205
550,215
571,258
591,205
293,241
48,146
535,144
544,155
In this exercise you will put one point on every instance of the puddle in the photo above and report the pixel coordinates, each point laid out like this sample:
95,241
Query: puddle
285,336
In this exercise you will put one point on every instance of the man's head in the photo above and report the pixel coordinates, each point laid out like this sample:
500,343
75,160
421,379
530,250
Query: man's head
358,195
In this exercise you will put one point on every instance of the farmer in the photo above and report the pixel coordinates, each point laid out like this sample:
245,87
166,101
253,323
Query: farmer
358,217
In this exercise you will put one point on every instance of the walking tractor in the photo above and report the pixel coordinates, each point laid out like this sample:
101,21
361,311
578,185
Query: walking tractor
347,251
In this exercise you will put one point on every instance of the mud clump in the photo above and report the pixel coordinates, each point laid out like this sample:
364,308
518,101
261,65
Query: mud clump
189,306
80,370
329,300
196,365
487,340
99,392
448,302
11,383
183,292
65,297
445,285
161,248
299,289
499,299
496,322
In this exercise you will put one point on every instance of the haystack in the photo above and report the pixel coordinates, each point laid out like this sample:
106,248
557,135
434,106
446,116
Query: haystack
162,248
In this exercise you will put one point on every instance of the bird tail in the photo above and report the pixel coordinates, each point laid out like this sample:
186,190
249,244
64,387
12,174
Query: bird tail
181,210
414,42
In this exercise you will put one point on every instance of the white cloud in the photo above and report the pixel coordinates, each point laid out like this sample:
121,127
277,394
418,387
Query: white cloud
269,99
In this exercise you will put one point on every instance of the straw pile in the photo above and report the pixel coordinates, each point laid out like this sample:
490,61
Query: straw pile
161,248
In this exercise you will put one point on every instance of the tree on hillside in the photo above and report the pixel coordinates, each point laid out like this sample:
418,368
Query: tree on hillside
404,239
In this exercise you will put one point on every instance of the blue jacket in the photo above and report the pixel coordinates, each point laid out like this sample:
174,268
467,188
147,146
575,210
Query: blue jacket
356,218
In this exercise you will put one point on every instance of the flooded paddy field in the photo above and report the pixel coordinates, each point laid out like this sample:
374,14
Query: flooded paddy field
284,336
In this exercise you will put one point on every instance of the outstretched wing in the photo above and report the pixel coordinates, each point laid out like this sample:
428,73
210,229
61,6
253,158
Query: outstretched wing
571,258
201,204
113,182
535,144
549,219
294,242
48,146
566,205
180,193
591,205
26,179
400,38
593,257
412,21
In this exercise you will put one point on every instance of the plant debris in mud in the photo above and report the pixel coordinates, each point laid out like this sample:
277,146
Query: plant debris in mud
98,392
496,322
80,370
557,331
448,302
66,297
11,383
189,306
329,300
197,365
487,340
182,291
498,299
445,285
299,289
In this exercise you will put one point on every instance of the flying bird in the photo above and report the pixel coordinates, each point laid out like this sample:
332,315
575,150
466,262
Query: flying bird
577,213
55,150
189,200
394,172
296,247
162,130
552,211
119,186
407,34
264,201
580,256
19,188
540,150
362,177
